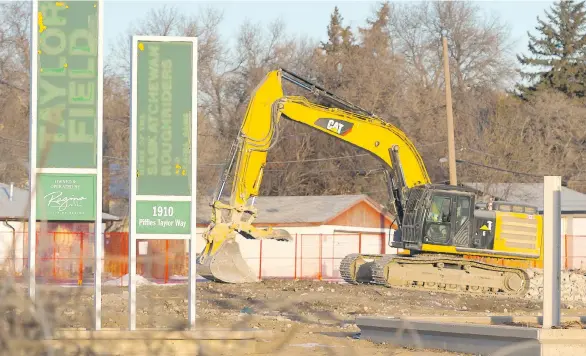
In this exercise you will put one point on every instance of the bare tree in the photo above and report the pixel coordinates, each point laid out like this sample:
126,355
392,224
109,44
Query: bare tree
529,140
391,66
479,47
14,91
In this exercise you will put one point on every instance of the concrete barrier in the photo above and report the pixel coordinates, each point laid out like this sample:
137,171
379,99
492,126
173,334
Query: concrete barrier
157,342
495,319
475,338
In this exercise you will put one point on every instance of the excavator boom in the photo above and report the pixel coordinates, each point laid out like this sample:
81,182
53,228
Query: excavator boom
221,260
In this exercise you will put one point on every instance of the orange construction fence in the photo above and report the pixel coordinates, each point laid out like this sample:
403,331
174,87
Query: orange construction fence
68,257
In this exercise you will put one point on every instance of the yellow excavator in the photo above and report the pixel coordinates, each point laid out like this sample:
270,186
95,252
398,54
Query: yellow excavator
444,236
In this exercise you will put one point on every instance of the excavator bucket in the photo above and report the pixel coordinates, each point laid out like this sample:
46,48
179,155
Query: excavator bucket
221,259
226,265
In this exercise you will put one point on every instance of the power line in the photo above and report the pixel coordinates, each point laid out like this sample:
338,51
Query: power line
431,144
271,162
489,154
498,169
21,142
320,159
342,157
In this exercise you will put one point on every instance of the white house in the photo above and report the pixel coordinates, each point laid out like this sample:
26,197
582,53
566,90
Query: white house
324,228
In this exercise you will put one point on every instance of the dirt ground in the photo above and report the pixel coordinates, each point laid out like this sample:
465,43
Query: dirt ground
308,317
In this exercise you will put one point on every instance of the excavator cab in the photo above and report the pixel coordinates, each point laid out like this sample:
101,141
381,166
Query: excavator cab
442,218
437,215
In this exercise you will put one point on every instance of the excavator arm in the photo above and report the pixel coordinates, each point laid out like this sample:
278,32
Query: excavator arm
220,259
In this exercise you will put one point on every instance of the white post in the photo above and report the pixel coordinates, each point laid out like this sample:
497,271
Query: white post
32,217
191,309
552,251
98,233
132,198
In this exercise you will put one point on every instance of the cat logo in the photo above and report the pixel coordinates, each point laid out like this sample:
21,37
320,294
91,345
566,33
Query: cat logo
340,127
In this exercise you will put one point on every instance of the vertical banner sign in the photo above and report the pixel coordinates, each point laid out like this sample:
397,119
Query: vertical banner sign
163,148
66,119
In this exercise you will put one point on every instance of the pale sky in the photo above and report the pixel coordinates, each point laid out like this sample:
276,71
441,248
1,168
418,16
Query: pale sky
305,17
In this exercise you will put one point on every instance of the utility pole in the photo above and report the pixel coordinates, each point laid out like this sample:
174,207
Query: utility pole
451,139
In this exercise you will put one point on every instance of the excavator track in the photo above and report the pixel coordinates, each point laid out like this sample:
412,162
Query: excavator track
356,268
436,273
449,274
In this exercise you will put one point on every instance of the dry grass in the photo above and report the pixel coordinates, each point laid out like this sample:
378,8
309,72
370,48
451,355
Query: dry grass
307,317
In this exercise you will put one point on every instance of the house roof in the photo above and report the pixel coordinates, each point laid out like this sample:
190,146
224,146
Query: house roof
17,208
532,193
297,209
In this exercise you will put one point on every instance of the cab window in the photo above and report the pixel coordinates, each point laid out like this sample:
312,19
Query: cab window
440,210
462,211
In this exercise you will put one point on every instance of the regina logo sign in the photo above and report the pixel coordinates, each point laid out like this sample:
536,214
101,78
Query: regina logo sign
340,127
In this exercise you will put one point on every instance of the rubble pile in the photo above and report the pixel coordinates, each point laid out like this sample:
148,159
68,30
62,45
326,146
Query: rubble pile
573,286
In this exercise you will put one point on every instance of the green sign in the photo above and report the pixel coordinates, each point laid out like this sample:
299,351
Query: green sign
156,217
67,84
66,197
163,118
